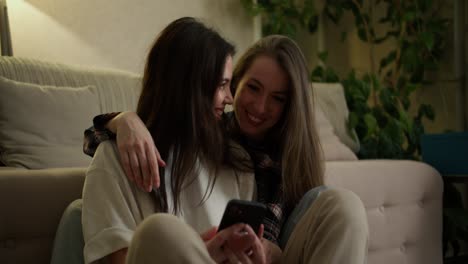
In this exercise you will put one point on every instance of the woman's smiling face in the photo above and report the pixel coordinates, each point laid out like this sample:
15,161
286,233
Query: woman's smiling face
261,97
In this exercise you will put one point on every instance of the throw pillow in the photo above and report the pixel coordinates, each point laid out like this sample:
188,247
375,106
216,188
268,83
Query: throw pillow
42,126
333,148
330,97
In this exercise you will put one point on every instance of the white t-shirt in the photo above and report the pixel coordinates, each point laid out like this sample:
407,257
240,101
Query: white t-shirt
113,207
229,185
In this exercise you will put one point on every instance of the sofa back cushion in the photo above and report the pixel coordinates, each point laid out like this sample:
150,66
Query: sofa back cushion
41,126
45,106
333,148
118,90
331,114
331,99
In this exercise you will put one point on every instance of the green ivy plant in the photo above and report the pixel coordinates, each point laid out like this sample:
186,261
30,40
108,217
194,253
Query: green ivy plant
379,100
378,115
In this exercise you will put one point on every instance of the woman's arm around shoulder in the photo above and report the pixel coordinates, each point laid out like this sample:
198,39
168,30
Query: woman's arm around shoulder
139,156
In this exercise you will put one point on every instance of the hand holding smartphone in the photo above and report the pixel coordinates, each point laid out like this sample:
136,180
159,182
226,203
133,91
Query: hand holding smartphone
240,211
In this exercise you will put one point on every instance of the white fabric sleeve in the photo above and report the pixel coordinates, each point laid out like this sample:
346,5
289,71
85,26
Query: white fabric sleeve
112,205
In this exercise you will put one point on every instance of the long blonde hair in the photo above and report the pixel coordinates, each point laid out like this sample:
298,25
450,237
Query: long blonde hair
301,154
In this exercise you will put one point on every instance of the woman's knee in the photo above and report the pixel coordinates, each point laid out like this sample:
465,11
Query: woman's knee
176,240
74,209
159,225
344,206
346,200
68,242
313,194
329,210
71,217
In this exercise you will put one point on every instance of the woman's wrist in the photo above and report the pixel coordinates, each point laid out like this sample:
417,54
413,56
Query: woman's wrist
114,123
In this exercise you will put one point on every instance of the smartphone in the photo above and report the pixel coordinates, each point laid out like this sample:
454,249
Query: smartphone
240,211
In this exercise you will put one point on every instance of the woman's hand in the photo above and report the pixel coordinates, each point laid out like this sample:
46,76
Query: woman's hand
139,156
235,244
239,250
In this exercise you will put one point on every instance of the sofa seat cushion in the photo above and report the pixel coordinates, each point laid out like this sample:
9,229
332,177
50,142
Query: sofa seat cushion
41,126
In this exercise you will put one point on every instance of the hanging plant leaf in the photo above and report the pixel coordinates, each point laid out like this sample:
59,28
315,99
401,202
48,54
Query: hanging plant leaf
323,56
390,58
428,39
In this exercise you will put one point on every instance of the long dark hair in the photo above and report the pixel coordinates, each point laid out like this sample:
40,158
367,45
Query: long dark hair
183,70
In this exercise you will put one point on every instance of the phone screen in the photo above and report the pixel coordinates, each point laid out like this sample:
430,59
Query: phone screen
240,211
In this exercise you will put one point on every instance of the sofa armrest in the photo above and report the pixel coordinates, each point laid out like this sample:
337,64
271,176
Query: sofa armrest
403,200
31,204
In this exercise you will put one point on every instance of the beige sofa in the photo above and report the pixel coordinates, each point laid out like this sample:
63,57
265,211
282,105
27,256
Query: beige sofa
44,108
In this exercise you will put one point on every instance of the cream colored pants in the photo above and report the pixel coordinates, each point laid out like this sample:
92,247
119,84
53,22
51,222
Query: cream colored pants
332,230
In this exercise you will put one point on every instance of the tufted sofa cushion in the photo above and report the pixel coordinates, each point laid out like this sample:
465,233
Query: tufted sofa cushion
403,200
